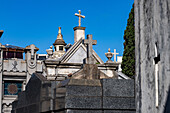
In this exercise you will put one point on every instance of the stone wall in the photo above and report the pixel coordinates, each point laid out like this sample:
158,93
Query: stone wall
152,29
76,96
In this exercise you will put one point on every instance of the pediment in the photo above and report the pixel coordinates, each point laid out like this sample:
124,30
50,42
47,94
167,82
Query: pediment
77,53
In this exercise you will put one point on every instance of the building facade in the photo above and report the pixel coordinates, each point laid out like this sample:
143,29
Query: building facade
15,72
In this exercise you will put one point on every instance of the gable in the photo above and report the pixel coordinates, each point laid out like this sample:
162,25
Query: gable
77,53
78,56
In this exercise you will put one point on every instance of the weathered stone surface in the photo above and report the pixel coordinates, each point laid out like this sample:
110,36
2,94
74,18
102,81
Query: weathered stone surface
84,111
79,32
118,111
118,103
167,106
83,91
84,82
73,96
118,87
28,109
83,102
89,71
152,30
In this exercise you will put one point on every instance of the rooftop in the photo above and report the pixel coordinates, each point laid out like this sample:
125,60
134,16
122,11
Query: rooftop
13,47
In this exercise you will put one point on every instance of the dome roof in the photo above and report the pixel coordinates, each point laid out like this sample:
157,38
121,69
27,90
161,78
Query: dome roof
59,40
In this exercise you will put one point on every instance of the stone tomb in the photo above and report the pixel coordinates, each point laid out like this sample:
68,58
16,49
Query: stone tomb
76,96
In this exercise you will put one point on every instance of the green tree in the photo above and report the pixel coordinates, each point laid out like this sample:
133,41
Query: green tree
128,61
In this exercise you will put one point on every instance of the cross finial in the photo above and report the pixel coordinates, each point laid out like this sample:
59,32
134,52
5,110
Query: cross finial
115,55
89,42
80,16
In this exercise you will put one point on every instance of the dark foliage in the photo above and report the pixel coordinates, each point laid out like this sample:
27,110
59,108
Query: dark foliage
128,61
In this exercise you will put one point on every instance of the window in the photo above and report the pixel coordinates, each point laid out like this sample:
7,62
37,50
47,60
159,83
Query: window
12,87
19,55
60,48
11,54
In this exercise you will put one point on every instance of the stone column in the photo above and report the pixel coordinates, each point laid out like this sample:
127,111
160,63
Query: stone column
1,81
79,32
1,89
30,57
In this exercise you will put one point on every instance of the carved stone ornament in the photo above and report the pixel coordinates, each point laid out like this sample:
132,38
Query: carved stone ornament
109,55
50,52
14,66
32,63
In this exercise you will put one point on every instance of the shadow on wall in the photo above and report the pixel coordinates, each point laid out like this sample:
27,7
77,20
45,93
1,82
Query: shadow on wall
167,106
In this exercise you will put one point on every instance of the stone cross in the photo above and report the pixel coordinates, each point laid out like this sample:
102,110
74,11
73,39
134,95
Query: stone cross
80,16
90,42
115,55
32,47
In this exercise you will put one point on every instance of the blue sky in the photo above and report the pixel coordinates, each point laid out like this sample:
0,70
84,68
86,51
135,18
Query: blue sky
36,22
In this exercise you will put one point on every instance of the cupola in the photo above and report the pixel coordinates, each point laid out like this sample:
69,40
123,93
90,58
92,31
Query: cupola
59,45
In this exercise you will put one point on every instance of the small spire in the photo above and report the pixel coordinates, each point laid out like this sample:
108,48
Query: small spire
59,36
59,30
59,40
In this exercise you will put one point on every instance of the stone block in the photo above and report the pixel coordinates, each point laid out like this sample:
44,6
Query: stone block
83,102
21,110
60,92
22,97
45,105
59,103
118,87
118,111
34,108
118,103
83,91
87,82
83,111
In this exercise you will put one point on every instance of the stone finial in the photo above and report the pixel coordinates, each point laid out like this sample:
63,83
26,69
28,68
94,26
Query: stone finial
109,55
50,52
59,36
51,47
80,16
